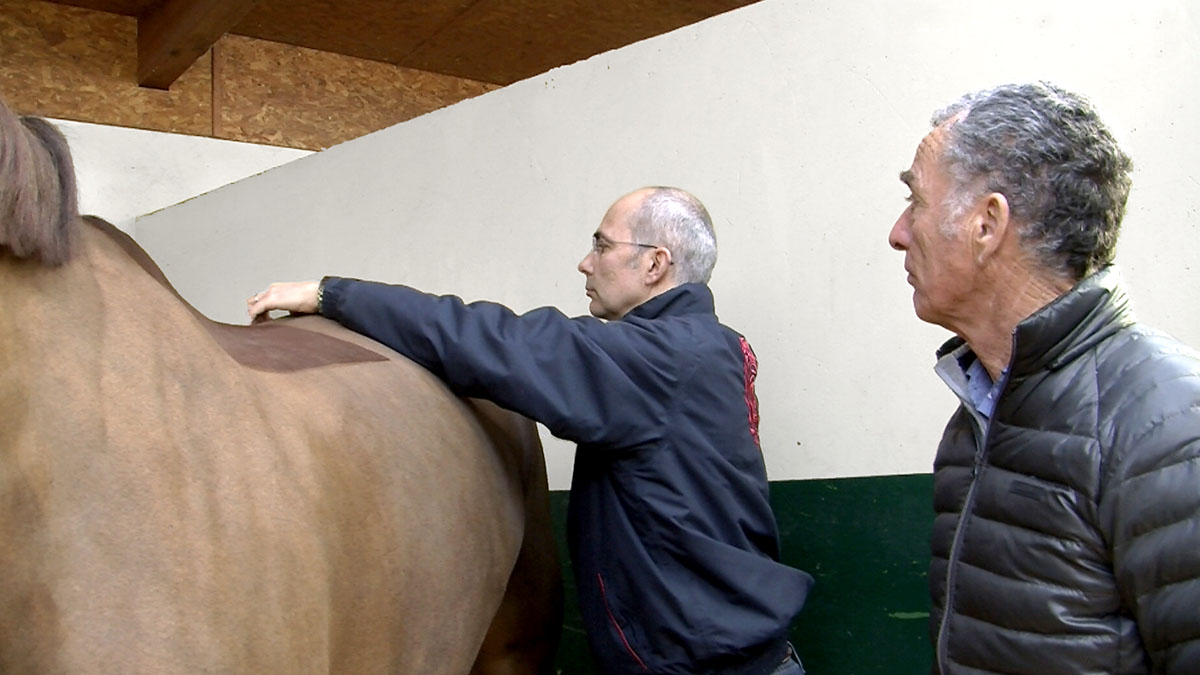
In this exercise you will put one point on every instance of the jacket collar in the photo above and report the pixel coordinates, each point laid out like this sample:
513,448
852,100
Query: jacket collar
1072,323
683,299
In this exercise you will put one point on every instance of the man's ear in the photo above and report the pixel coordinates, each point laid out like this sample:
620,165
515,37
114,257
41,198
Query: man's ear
993,223
660,265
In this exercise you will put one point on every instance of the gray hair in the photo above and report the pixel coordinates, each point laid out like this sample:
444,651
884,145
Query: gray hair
675,219
1046,150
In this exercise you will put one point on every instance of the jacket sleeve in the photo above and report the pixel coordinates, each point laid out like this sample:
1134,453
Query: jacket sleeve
587,381
1151,509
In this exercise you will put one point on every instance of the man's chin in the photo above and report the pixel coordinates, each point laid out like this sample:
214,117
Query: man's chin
924,313
597,310
921,310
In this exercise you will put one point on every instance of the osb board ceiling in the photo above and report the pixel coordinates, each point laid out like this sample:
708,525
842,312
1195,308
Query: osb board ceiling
493,41
80,64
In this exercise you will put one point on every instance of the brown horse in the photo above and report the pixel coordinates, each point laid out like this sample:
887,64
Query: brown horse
182,496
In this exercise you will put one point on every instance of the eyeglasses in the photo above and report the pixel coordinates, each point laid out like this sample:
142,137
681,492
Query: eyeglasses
600,244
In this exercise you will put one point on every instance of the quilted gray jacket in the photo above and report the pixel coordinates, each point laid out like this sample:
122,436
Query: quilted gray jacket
1067,534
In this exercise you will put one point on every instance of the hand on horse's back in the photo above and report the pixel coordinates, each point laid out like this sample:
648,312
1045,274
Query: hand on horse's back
295,296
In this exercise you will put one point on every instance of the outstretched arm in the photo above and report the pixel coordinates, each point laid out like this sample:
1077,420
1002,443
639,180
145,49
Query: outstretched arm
587,381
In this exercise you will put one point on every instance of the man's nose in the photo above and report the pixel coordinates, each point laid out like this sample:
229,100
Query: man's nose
585,265
898,237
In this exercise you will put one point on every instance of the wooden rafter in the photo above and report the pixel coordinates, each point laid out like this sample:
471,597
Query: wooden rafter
174,33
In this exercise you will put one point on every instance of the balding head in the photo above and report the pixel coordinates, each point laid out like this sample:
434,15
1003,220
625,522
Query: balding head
676,220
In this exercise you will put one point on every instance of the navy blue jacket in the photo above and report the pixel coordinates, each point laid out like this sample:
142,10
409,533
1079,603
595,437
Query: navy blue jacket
674,544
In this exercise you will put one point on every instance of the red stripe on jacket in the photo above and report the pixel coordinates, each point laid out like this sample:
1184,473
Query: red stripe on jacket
750,371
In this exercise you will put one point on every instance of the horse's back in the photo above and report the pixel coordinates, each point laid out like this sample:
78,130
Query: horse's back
172,509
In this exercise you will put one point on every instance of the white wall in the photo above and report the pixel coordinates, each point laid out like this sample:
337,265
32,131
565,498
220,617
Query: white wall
124,173
791,121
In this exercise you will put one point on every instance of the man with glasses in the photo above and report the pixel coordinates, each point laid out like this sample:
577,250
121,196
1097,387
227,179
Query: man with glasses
674,544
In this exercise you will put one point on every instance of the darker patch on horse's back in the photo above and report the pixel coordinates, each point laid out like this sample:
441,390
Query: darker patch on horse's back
280,348
274,347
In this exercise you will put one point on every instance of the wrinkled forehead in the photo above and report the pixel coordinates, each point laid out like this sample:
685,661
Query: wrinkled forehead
935,141
928,156
929,151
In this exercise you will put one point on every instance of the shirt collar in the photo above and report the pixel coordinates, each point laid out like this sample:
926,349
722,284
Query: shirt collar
683,299
964,373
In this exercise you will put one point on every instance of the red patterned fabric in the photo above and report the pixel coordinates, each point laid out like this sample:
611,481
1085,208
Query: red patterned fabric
750,368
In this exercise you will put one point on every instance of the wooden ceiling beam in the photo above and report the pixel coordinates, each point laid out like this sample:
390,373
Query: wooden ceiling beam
174,33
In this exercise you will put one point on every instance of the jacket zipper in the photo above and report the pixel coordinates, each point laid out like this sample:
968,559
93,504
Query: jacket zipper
968,505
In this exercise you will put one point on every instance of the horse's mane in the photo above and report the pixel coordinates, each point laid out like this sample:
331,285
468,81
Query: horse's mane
38,197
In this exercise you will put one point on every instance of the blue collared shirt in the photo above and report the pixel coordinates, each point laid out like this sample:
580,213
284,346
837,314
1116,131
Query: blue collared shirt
981,389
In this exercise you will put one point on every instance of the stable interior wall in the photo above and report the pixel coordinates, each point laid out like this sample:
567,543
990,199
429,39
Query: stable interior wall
791,121
124,173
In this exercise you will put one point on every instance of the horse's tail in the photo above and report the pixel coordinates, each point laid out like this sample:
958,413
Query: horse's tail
38,196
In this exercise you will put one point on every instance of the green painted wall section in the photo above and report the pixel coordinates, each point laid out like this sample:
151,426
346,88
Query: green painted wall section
865,541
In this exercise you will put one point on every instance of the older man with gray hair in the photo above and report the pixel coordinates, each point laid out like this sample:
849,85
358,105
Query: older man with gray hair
1067,484
675,546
